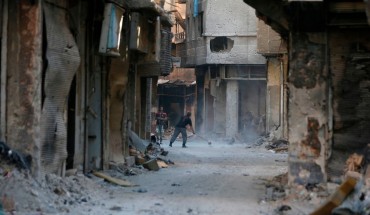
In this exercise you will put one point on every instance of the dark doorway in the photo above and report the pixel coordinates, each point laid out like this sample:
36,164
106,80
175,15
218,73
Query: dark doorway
71,126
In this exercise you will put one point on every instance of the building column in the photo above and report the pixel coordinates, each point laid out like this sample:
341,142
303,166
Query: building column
23,85
232,104
200,111
307,109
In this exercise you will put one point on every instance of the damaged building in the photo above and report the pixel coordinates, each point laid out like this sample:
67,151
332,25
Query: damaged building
327,81
74,73
221,44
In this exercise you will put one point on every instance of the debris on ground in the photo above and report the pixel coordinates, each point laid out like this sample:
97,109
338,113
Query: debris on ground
354,163
353,195
20,193
278,145
275,187
151,157
337,198
113,180
151,165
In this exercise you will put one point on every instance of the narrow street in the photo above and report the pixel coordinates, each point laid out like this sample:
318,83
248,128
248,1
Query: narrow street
206,179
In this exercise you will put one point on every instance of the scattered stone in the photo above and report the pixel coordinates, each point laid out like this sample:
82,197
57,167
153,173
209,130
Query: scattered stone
284,208
141,190
115,208
70,172
151,165
59,191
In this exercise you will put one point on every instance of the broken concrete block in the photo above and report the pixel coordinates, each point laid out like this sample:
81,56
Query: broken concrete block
70,172
151,165
130,161
139,160
133,152
162,164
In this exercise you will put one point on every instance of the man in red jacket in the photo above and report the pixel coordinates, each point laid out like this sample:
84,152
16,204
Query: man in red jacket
161,118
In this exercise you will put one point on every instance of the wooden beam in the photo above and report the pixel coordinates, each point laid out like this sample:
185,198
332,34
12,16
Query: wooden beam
347,7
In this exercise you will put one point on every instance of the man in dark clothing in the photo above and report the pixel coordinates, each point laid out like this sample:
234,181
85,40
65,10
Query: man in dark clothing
181,128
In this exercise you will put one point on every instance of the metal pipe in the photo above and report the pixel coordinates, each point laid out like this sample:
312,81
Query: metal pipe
3,98
281,115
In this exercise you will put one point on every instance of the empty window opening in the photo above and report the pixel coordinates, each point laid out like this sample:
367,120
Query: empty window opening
221,44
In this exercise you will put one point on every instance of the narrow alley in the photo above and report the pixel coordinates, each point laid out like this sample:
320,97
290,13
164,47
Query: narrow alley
273,96
215,179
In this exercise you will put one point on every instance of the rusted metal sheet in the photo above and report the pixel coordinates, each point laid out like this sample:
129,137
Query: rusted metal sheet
63,60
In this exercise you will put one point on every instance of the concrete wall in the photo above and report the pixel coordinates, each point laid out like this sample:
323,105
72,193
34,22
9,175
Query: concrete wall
233,20
307,108
243,51
229,18
269,41
232,106
349,64
196,52
276,97
117,87
23,88
219,93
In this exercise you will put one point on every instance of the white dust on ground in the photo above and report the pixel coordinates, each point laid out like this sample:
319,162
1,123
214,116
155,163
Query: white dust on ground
206,179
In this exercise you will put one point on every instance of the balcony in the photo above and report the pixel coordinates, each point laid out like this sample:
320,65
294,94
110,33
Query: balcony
179,37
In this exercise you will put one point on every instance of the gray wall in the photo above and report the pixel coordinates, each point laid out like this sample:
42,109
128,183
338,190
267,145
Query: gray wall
234,20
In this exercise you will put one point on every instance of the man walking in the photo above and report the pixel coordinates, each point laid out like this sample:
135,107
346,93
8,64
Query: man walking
181,128
161,118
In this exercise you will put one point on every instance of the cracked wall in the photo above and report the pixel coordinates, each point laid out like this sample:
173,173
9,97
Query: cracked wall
307,109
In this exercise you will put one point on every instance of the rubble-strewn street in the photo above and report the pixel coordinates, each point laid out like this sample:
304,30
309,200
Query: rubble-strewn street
205,179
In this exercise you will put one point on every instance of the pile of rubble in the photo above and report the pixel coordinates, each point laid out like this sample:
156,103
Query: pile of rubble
350,195
20,193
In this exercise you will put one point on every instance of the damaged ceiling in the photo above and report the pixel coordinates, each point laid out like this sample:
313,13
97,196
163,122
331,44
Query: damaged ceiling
308,16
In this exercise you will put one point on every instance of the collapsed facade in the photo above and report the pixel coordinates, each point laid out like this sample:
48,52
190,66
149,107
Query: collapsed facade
327,81
74,73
